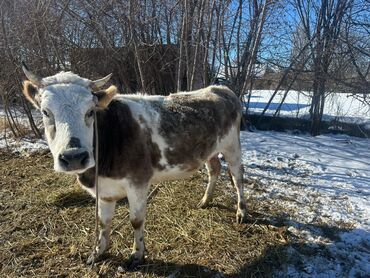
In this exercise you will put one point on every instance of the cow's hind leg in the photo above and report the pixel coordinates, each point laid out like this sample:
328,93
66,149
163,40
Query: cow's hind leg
214,168
106,212
233,158
137,198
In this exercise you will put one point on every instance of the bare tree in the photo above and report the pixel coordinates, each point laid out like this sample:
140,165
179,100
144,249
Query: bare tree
160,46
324,20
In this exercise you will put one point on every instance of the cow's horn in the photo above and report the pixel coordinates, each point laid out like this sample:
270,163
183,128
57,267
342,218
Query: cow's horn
36,80
97,84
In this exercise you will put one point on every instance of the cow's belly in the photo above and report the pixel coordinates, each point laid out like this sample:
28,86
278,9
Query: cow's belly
110,189
172,173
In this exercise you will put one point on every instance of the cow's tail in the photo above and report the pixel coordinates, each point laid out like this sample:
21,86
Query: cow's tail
231,177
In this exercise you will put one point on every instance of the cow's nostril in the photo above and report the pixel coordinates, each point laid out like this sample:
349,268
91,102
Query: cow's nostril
73,159
84,158
63,160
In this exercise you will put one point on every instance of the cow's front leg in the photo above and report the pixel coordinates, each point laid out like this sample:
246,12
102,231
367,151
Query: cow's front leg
137,198
106,212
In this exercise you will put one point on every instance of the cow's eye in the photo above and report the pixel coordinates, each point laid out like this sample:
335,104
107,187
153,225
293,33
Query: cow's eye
45,113
90,113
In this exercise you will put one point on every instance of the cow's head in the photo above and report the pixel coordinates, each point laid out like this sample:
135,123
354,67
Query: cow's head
67,103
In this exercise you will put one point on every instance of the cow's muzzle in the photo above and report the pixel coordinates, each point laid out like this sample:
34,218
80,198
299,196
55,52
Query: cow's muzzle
73,159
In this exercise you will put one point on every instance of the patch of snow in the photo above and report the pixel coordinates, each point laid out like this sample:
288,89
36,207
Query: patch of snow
323,184
338,106
20,116
24,145
27,144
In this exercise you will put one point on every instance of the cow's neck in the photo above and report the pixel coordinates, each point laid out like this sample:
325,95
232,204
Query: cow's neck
122,147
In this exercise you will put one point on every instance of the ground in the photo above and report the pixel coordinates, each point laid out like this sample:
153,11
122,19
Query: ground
48,229
308,216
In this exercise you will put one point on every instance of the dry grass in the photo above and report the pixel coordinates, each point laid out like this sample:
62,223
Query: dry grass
4,124
21,129
47,229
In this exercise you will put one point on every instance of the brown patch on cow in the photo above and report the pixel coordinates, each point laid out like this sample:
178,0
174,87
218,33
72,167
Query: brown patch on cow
155,155
242,206
123,149
87,178
192,123
214,166
136,224
101,224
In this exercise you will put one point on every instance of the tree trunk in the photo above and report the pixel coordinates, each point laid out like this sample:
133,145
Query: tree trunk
180,69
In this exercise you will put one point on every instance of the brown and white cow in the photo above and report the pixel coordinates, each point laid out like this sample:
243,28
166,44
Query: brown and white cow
142,140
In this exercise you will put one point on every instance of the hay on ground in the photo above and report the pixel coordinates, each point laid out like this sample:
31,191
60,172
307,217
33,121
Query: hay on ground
47,229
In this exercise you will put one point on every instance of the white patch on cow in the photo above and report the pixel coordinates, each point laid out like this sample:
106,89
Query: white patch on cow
199,92
230,139
171,173
66,78
137,199
142,97
110,188
162,145
106,212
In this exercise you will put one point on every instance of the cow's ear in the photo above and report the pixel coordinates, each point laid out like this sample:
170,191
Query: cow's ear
104,97
31,92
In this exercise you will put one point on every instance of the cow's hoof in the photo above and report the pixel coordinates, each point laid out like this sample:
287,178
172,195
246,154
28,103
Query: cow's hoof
203,204
93,258
133,263
241,216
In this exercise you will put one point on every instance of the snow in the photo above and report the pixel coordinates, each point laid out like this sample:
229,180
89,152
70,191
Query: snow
338,106
27,144
24,146
323,184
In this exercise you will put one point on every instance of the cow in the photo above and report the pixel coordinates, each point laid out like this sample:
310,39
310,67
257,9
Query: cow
142,140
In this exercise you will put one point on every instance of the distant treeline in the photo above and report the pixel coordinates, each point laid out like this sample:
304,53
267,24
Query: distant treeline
163,46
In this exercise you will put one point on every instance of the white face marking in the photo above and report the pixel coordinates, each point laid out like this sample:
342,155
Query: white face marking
67,114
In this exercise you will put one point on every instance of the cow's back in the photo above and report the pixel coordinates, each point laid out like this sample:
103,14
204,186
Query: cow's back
193,123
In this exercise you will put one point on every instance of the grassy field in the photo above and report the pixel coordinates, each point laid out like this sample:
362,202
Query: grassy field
47,229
